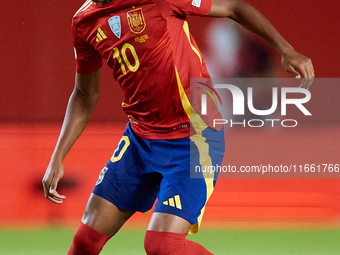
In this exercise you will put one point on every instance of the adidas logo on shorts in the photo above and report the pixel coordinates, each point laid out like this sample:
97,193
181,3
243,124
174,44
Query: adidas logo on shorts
174,202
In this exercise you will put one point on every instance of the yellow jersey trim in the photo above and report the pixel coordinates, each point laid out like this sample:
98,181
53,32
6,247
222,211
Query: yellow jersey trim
202,146
186,30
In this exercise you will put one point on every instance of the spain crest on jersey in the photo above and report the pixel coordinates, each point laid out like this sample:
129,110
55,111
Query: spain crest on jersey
136,20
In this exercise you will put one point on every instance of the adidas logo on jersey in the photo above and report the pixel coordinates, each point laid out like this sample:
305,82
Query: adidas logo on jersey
100,35
174,202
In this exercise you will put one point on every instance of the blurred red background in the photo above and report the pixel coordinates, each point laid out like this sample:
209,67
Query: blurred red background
37,78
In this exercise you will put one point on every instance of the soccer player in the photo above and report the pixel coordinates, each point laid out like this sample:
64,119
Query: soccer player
153,56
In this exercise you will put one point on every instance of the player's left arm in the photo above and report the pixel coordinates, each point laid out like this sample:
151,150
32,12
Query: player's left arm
245,14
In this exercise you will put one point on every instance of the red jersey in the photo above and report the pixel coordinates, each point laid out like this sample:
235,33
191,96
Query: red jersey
153,56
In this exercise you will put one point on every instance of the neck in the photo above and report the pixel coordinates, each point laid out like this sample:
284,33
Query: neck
102,2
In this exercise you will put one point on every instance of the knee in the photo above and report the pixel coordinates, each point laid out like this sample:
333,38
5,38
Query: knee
87,241
151,245
160,243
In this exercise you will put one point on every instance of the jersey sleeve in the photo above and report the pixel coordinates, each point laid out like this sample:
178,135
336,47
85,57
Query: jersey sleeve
185,7
88,59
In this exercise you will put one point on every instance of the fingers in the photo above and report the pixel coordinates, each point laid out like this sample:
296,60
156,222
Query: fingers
55,197
308,74
310,69
290,69
306,83
50,183
300,66
306,69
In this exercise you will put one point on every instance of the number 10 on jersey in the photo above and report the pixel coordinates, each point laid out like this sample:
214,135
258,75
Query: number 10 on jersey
125,61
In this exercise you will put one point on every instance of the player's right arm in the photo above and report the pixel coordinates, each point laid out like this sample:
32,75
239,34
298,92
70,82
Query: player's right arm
246,15
79,109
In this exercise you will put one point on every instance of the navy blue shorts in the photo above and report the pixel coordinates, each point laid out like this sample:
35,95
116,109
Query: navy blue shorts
142,170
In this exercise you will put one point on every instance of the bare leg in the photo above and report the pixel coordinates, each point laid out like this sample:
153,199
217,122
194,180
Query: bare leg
165,222
103,216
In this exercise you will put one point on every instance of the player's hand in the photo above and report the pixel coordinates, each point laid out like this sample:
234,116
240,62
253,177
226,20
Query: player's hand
53,174
299,66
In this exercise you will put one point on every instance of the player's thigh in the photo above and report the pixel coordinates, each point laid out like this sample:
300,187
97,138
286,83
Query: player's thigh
183,192
179,195
128,181
103,216
166,222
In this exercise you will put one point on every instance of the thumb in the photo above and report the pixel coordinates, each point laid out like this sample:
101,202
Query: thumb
53,188
290,69
54,184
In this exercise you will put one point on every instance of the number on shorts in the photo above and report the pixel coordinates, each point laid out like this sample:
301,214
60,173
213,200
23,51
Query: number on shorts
122,151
